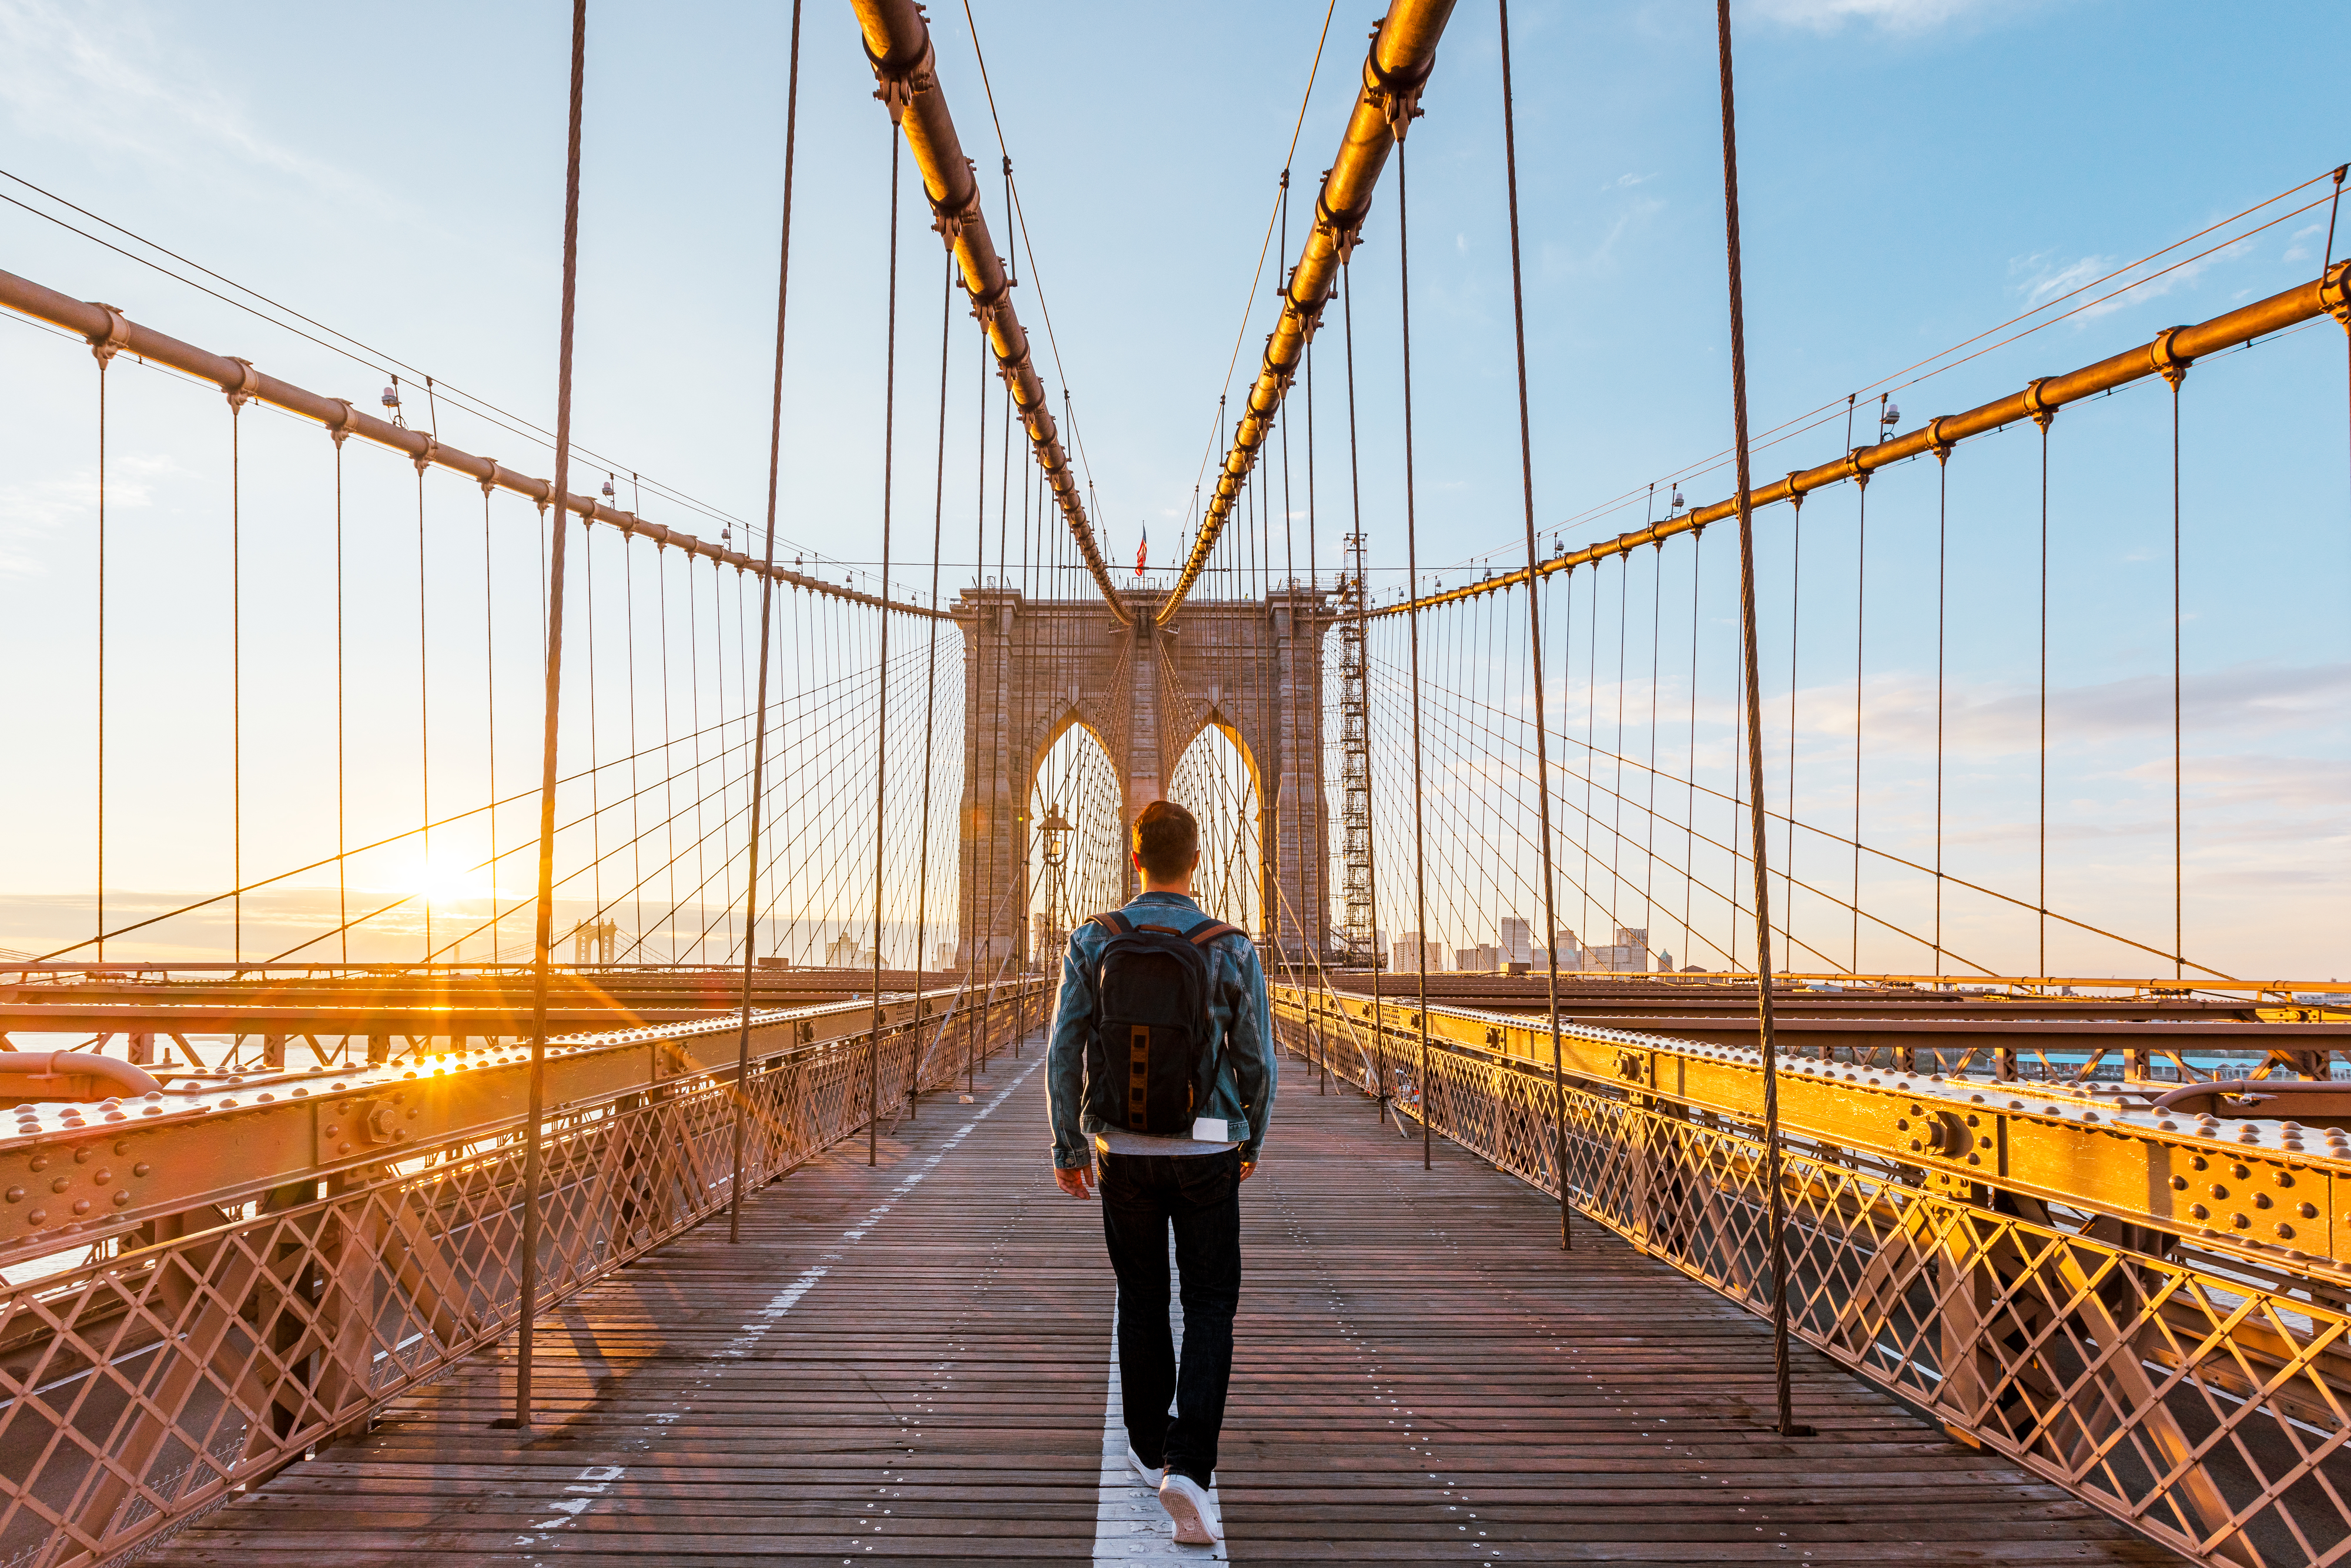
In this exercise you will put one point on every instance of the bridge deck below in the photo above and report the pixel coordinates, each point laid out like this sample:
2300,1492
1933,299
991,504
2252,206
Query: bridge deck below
911,1363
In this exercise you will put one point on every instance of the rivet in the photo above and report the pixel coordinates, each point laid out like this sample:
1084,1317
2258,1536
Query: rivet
81,1155
121,1199
2284,1229
2198,1211
2240,1221
37,1216
2180,1183
2240,1172
142,1168
2307,1210
61,1184
40,1163
81,1205
15,1195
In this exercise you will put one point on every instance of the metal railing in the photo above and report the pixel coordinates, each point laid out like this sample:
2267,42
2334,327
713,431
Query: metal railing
2196,1392
202,1353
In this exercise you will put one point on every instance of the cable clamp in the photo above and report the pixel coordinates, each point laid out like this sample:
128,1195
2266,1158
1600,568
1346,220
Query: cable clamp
949,222
1346,228
1853,468
490,480
2167,361
2036,404
118,333
348,426
901,85
1937,442
424,459
1396,94
2334,293
1795,497
248,384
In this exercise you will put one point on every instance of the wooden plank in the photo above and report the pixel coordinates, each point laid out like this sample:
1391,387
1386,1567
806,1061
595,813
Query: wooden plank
907,1365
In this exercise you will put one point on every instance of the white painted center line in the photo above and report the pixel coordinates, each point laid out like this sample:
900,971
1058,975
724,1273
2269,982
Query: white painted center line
1128,1524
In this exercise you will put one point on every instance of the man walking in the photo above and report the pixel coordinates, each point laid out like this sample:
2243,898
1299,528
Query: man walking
1162,1062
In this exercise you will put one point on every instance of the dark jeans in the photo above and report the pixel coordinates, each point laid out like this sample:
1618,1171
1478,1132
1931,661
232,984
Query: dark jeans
1142,1194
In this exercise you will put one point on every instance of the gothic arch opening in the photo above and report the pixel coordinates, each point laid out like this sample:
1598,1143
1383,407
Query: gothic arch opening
1076,838
1216,778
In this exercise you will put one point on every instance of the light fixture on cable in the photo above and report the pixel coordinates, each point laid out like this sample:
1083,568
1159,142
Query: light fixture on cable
608,487
390,401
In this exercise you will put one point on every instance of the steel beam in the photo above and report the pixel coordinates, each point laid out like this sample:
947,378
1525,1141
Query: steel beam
109,331
1395,68
72,1174
2269,1191
898,47
2168,352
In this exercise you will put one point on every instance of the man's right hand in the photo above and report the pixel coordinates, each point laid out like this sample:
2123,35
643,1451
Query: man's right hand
1078,1182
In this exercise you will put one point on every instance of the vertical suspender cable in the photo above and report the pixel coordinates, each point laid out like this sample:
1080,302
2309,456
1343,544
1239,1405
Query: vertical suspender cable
1942,585
544,934
237,672
767,602
881,663
424,711
2178,839
1860,635
1795,656
1412,567
931,665
1363,611
342,882
491,709
1689,767
1320,813
1776,1234
967,873
2040,923
105,352
636,834
1534,647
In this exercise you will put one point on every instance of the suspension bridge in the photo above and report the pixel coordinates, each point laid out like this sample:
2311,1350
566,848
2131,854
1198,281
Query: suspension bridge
597,1108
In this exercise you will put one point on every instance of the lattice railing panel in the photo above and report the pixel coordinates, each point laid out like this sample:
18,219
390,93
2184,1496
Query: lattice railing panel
138,1390
2181,1392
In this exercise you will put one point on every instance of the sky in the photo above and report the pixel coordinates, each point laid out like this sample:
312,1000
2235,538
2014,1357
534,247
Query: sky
1913,171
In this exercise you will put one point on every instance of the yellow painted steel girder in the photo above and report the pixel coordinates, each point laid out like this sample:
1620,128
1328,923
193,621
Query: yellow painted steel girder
89,1171
2266,1188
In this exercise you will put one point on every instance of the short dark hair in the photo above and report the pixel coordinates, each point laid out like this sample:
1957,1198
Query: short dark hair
1167,839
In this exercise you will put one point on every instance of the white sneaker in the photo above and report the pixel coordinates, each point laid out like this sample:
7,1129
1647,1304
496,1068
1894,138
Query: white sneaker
1148,1476
1195,1513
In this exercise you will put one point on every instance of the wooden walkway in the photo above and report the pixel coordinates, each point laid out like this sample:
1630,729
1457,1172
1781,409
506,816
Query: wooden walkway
911,1363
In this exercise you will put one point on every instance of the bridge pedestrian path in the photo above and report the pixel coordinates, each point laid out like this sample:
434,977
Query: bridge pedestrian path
911,1365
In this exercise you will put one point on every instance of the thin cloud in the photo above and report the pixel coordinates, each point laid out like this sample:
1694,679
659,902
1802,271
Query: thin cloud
1889,15
86,77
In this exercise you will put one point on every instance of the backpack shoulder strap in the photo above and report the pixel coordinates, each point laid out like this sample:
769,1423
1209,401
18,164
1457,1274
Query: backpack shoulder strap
1201,935
1112,921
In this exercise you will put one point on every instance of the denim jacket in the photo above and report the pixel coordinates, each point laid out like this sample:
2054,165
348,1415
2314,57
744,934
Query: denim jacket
1236,1002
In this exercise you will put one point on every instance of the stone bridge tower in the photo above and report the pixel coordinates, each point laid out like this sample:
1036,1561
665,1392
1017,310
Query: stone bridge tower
1253,668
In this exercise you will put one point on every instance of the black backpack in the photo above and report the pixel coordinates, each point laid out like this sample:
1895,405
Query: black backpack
1150,1062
